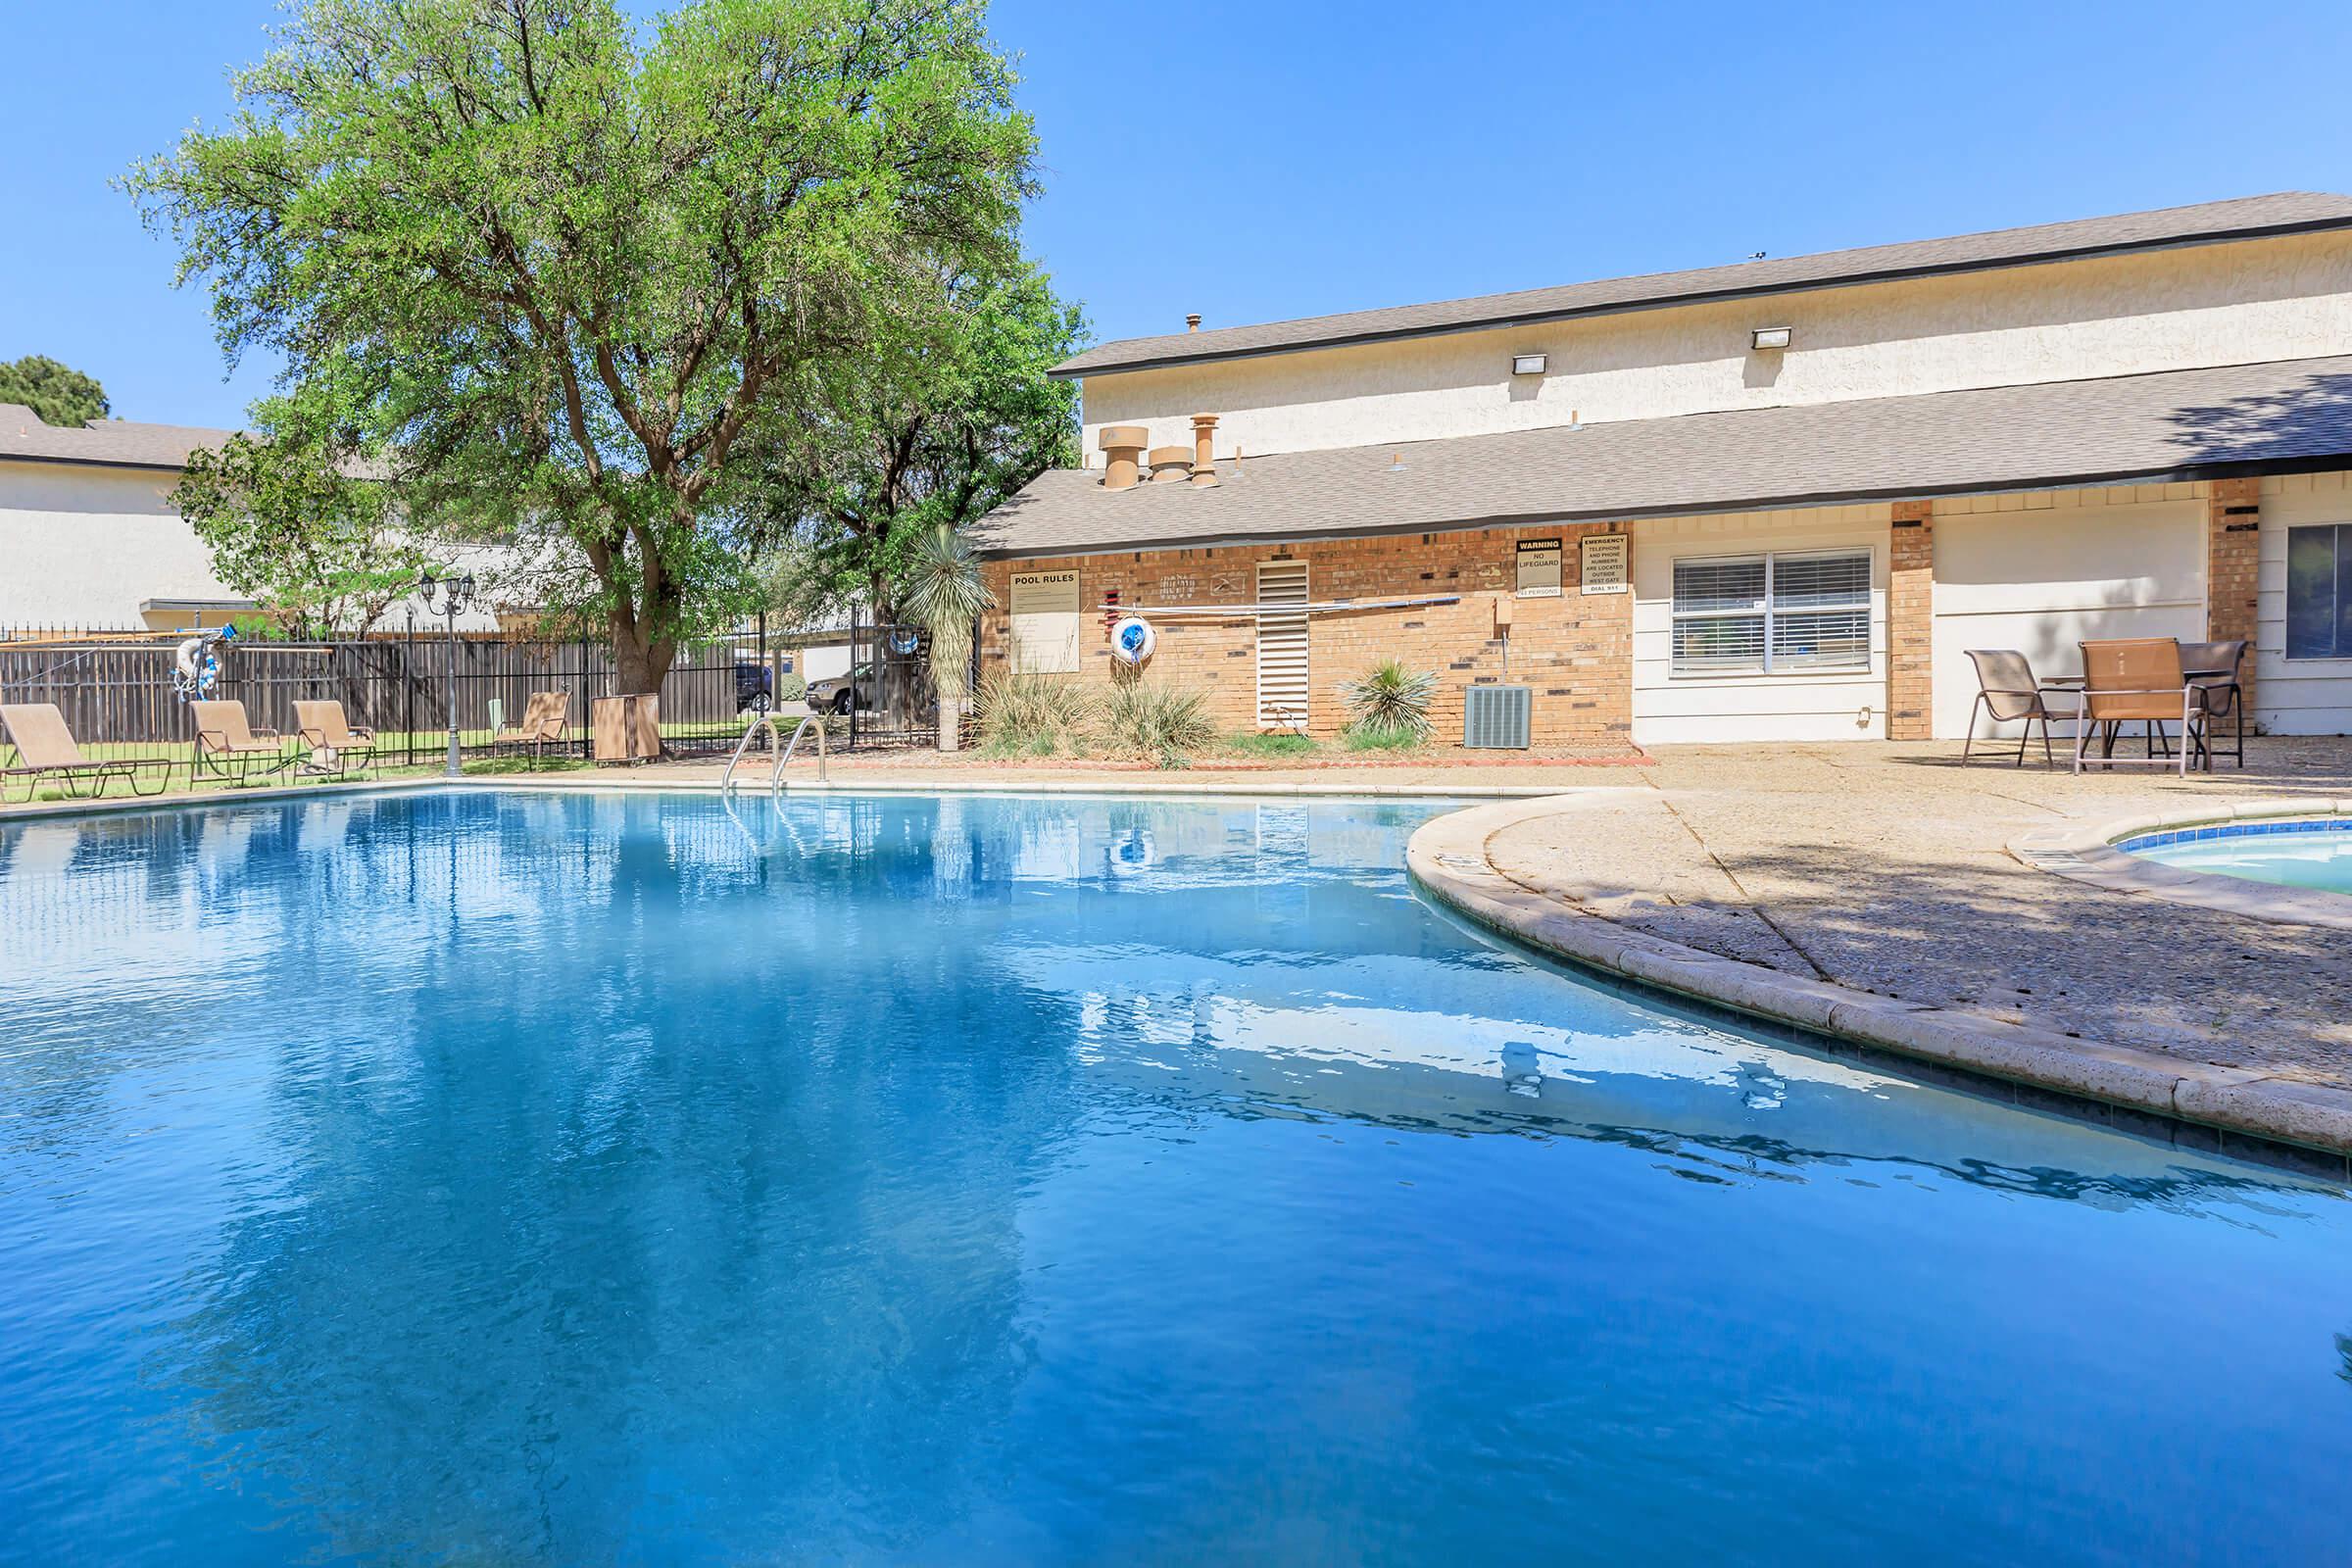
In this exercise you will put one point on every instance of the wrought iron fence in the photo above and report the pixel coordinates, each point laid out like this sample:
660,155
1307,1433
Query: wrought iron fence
114,688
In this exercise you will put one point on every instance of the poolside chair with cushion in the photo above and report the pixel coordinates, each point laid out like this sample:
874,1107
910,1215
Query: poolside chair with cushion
229,748
2215,670
546,721
2007,690
45,750
2137,678
336,745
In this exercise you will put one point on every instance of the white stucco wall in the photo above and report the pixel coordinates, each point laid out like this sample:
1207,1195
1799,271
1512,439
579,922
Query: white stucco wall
1825,706
83,547
2296,696
2230,304
2041,573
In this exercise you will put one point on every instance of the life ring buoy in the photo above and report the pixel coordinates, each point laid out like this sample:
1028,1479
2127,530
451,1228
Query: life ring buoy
1132,640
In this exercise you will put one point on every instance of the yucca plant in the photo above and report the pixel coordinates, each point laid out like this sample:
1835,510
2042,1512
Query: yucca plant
944,592
1161,723
1390,700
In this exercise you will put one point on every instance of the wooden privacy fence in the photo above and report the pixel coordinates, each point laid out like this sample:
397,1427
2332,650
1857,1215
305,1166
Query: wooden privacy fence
116,688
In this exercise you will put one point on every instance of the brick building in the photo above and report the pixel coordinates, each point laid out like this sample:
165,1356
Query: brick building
1777,500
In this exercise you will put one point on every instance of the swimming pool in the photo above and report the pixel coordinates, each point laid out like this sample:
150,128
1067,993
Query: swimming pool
2300,854
492,1177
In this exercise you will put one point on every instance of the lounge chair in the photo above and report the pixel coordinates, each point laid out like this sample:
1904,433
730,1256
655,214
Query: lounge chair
2221,695
229,748
336,745
2006,688
45,750
546,721
2137,678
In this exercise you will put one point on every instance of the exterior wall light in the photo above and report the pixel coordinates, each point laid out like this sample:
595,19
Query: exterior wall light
1770,337
1529,364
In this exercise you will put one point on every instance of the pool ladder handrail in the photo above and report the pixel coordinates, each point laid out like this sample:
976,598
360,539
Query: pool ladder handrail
768,721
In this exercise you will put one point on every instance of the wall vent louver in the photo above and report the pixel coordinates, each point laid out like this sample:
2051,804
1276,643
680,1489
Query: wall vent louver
1497,718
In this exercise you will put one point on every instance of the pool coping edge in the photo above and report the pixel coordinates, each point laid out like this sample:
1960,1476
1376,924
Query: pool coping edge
2086,853
1448,858
1146,785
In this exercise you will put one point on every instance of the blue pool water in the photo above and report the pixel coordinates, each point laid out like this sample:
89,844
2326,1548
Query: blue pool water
2295,854
481,1178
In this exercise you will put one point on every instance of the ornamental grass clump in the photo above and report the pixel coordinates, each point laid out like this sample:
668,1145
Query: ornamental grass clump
1036,715
1163,723
1390,706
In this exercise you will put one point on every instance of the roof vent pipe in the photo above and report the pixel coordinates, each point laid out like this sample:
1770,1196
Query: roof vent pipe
1191,323
1124,444
1205,449
1171,464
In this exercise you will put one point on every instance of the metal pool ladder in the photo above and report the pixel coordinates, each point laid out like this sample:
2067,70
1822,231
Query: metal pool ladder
768,721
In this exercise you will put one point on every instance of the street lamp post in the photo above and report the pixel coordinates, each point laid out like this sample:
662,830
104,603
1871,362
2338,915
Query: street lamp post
448,598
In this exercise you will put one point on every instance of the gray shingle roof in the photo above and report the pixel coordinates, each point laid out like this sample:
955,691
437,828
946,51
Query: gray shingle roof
2177,425
111,442
2247,216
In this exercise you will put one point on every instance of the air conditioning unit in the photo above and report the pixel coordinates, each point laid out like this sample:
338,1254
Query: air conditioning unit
1497,718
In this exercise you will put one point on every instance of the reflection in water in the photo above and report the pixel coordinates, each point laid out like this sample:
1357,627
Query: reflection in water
531,1177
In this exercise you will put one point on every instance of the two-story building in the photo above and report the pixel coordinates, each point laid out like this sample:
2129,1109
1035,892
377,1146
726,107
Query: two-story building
90,541
1776,500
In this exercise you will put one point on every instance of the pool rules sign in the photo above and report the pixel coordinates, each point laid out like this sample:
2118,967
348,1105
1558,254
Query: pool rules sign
1045,623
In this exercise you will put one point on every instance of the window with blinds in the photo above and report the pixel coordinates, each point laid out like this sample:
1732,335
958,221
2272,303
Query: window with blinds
1772,613
1282,645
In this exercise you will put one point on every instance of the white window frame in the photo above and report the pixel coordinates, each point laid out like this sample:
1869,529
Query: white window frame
1867,603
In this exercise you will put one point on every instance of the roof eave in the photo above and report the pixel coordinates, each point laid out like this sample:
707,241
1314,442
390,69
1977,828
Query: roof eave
94,463
1068,370
2181,473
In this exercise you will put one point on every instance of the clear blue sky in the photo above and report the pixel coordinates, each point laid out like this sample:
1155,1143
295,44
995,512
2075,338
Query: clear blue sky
1261,161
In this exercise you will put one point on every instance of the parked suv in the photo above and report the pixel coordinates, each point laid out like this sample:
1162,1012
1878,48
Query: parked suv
755,687
836,694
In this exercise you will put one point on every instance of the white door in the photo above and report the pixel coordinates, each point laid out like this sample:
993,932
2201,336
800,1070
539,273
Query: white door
2042,580
1282,645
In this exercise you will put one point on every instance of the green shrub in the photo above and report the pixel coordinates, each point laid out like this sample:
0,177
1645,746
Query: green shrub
1275,744
1360,738
1160,722
791,687
1035,716
1390,700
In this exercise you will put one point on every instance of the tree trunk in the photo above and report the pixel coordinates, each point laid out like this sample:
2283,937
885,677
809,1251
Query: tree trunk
950,723
639,662
893,676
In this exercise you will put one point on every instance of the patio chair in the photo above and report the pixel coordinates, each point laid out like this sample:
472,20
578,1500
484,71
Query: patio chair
46,750
2007,690
2137,678
337,746
229,748
546,721
2214,671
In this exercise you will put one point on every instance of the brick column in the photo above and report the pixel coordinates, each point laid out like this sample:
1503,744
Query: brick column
1910,624
2233,549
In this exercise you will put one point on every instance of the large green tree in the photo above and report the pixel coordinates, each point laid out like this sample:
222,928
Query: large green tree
58,393
934,430
562,264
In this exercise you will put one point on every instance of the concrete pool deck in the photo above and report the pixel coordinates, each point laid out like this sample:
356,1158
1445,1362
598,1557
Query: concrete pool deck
1873,892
